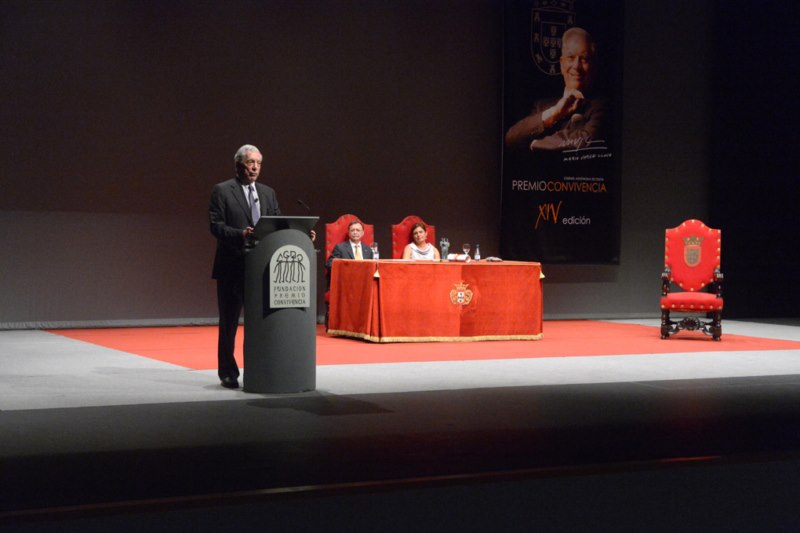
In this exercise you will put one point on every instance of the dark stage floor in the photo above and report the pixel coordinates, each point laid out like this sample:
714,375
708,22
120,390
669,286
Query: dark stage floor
618,452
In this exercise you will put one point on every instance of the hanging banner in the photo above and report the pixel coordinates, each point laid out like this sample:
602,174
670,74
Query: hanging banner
562,126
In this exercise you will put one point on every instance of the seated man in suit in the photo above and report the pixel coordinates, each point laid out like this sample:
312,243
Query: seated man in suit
352,248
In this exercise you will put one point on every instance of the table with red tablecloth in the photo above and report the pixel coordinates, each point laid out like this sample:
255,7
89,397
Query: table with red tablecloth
425,301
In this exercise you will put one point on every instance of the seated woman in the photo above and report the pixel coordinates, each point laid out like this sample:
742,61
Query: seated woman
420,248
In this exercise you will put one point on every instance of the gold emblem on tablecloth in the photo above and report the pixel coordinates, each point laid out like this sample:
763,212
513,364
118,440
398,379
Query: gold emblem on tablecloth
461,295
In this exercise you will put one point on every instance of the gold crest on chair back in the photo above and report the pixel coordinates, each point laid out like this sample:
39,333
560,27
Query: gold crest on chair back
692,253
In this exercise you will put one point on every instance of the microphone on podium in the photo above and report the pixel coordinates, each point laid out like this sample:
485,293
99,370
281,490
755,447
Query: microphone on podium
308,210
305,205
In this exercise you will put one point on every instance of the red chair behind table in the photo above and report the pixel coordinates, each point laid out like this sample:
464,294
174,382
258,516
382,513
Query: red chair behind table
401,235
692,254
336,232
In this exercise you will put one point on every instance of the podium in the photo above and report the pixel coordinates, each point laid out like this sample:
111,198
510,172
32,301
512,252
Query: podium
280,315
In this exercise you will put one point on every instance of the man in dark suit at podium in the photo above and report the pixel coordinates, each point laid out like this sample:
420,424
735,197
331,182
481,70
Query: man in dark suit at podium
235,208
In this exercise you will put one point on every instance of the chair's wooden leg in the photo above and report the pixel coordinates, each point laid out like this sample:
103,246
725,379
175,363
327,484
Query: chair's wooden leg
716,326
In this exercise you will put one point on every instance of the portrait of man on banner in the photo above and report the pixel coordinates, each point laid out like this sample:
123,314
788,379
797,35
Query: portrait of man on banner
562,131
573,119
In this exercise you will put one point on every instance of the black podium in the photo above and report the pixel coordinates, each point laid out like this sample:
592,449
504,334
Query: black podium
280,311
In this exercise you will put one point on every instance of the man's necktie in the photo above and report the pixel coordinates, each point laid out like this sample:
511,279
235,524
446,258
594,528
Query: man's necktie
255,212
358,251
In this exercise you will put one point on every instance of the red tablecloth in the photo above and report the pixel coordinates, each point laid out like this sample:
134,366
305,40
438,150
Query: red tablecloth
420,301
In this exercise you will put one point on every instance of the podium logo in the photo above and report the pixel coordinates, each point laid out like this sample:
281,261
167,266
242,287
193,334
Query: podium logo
289,279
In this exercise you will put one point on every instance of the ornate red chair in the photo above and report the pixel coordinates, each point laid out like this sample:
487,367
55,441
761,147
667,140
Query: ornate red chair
336,232
401,235
691,264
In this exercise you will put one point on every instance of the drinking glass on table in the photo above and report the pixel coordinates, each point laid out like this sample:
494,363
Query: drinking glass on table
466,248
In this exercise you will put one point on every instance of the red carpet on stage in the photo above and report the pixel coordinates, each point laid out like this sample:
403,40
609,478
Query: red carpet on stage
195,347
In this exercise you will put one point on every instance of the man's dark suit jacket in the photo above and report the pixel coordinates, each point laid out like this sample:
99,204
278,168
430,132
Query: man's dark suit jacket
229,215
344,250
